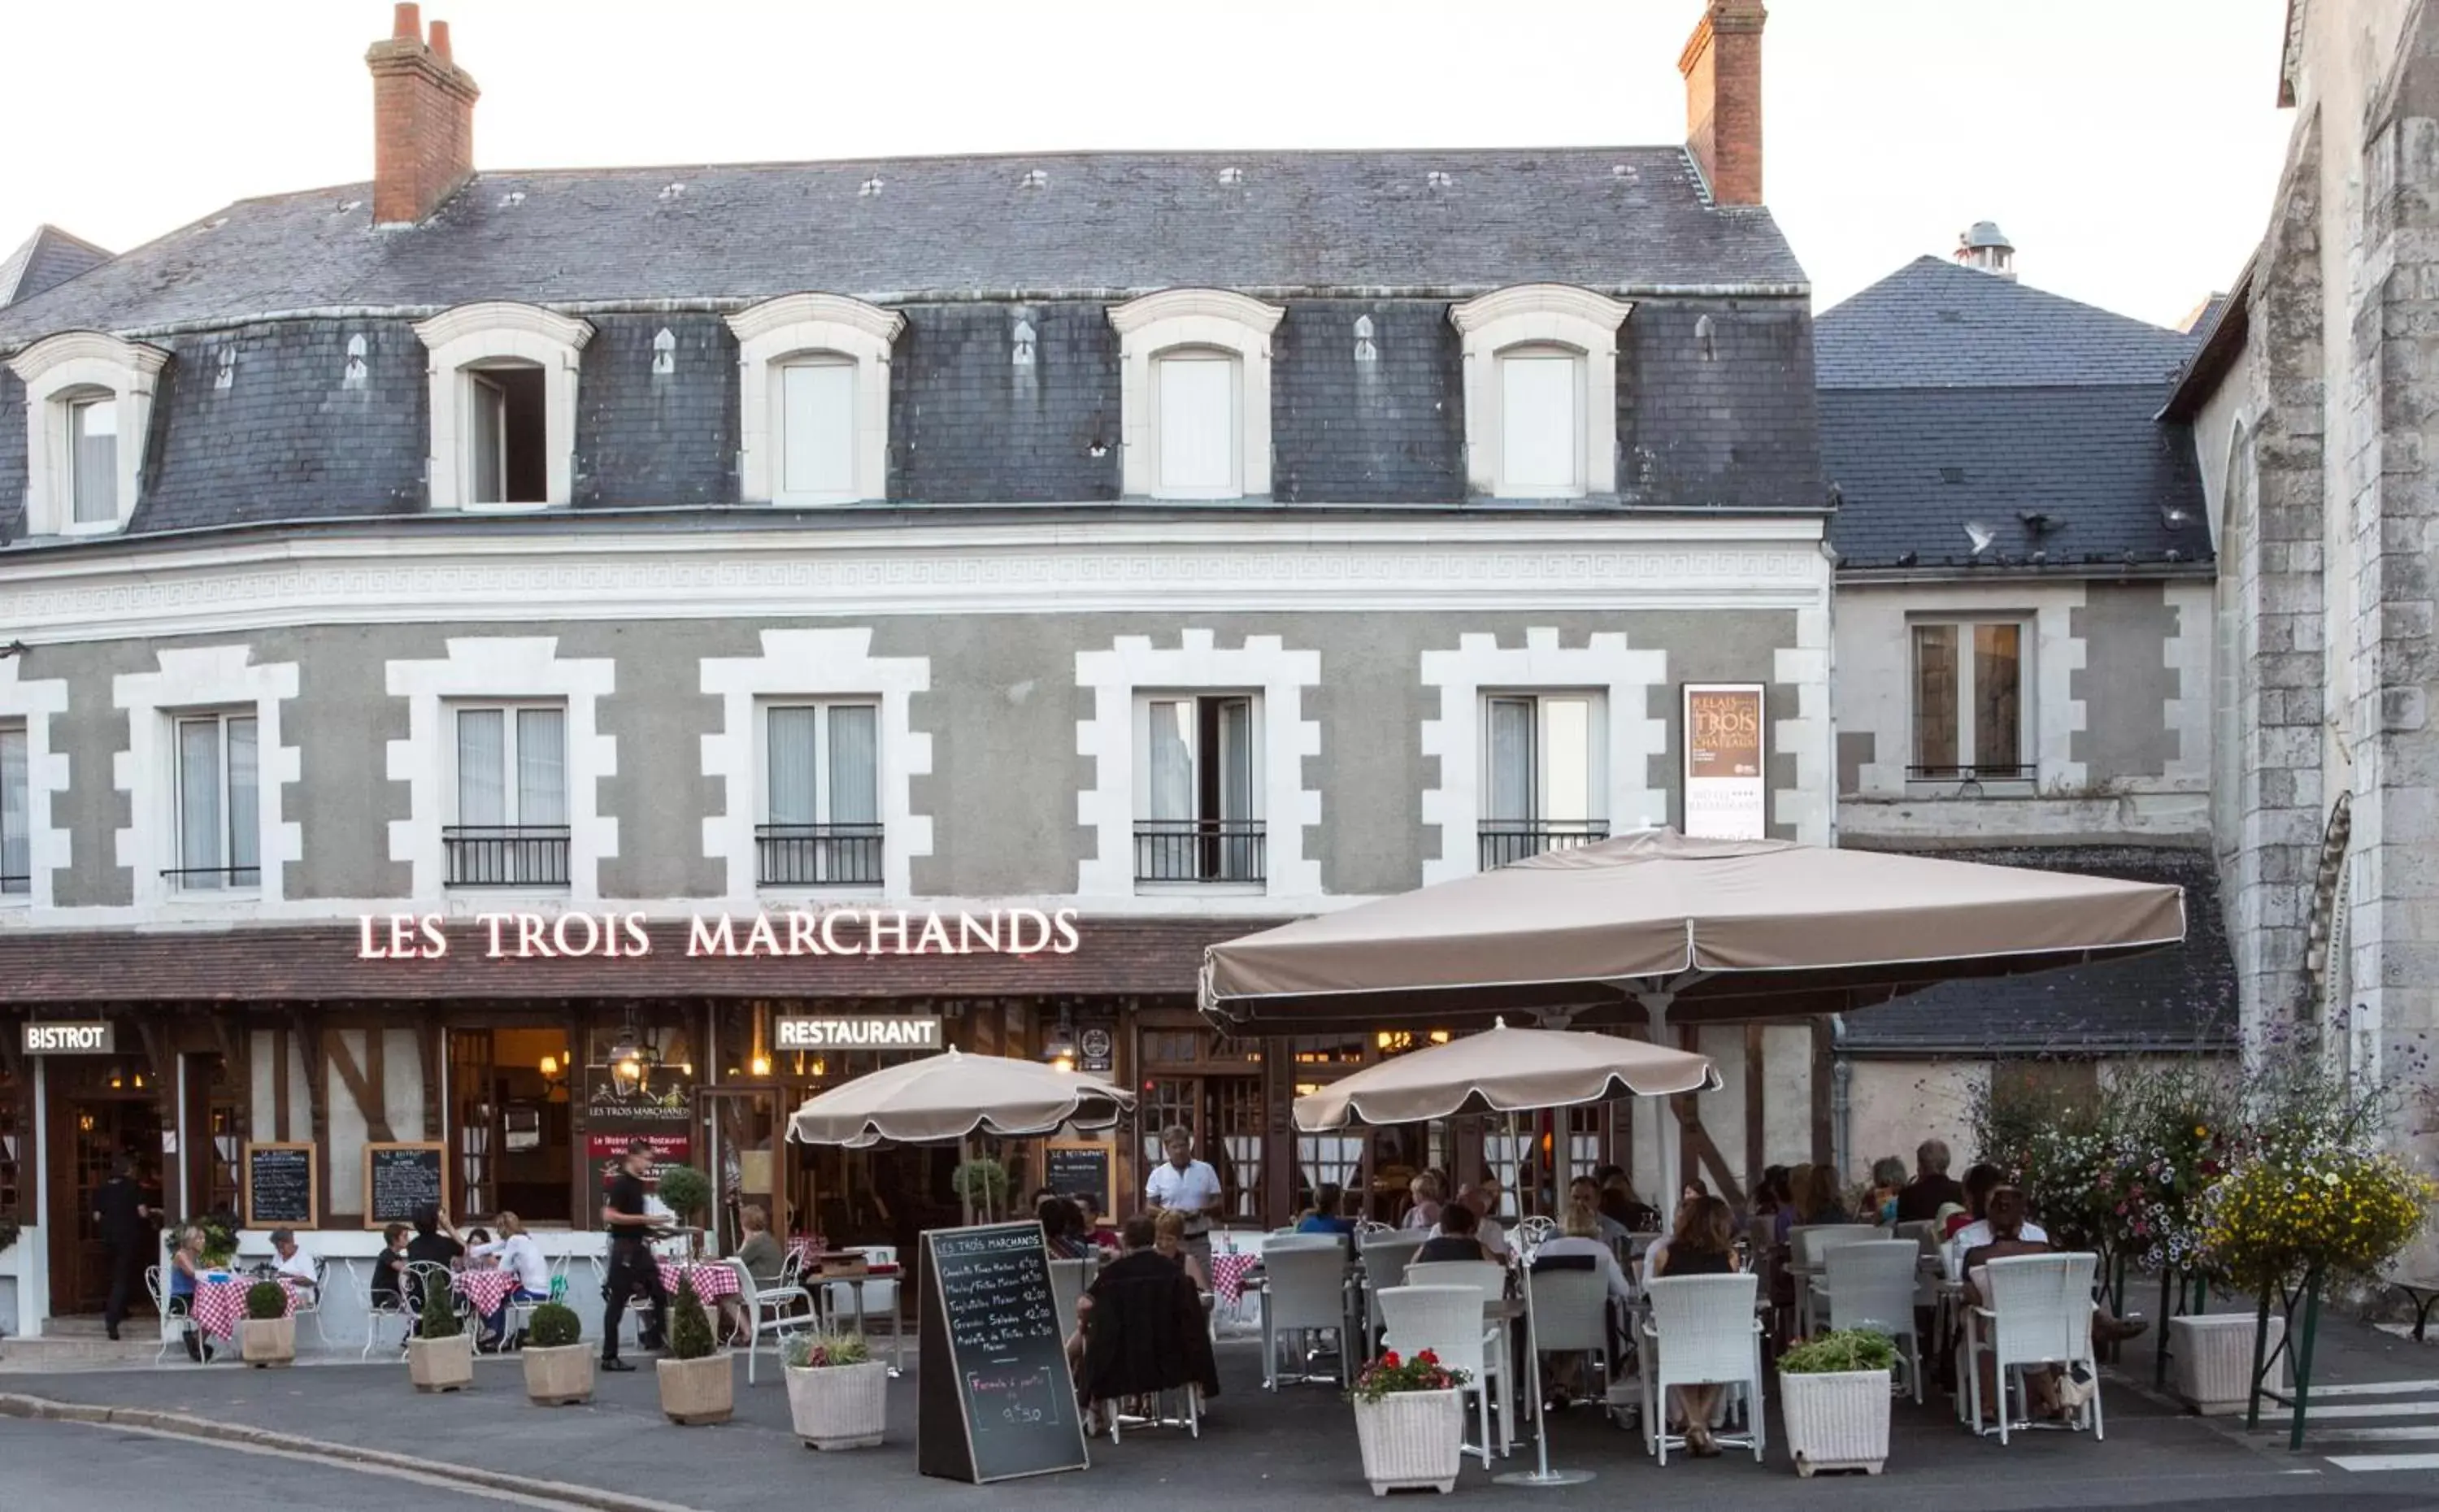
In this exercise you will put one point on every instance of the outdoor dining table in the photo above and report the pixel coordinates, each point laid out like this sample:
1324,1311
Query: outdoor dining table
220,1302
857,1280
484,1288
713,1279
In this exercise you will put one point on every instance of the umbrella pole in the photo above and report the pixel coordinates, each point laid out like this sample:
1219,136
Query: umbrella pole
1543,1474
1655,1008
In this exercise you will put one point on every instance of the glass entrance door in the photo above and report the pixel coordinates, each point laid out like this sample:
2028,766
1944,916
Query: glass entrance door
89,1132
746,1154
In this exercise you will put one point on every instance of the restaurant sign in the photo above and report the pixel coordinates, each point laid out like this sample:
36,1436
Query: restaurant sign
775,933
1724,785
856,1033
70,1040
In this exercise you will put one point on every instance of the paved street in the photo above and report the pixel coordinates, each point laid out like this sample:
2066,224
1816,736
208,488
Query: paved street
1294,1447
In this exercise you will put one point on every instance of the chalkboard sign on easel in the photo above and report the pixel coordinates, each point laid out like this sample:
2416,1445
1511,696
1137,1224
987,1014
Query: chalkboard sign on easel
995,1397
1080,1170
401,1179
281,1190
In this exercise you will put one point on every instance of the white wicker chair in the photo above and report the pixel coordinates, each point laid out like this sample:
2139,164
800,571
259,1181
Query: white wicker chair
1385,1257
1305,1293
1808,1245
1571,1316
2039,1313
1871,1285
1487,1276
1702,1332
1448,1322
772,1311
1068,1281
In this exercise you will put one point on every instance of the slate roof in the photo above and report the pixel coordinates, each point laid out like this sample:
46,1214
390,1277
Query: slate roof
1617,219
1951,397
43,261
2175,999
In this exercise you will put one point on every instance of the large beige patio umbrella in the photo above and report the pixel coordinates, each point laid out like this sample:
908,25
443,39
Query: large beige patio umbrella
954,1095
1503,1070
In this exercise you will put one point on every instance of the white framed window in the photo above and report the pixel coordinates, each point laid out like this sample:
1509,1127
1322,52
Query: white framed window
1195,392
1541,391
813,387
16,814
503,392
218,800
88,406
821,823
509,824
1199,769
1544,773
1972,688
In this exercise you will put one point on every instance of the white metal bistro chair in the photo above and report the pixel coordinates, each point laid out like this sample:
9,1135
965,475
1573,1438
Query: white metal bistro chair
379,1312
1808,1245
1702,1332
1448,1322
1529,1232
1305,1294
161,1301
1872,1286
415,1279
771,1312
2039,1313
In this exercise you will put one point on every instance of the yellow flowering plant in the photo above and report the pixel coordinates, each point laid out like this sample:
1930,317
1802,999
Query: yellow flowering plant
2332,1212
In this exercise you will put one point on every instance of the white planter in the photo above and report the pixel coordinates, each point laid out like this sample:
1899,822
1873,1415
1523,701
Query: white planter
1411,1438
839,1406
1838,1420
2210,1363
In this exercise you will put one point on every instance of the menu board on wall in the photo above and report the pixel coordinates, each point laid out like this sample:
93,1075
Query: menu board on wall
403,1179
995,1399
1726,794
281,1189
1079,1171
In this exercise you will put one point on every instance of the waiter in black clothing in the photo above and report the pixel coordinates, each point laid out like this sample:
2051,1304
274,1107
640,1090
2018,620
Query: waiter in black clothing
631,1257
124,1220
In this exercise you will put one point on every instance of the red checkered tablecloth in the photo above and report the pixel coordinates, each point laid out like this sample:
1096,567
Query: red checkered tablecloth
807,1251
1228,1273
220,1305
712,1280
486,1289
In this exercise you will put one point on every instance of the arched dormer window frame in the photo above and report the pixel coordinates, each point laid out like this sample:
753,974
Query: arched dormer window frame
463,343
814,331
64,374
1191,325
1526,321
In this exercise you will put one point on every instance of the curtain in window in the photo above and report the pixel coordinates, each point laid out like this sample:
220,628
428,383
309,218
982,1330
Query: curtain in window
1537,408
1567,757
1170,758
541,766
1934,698
93,437
16,858
818,404
244,805
1235,760
855,774
1198,423
1998,697
1511,799
792,776
198,800
482,757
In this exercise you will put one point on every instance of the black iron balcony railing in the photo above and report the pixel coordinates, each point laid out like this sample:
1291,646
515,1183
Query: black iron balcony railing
818,855
1198,850
505,855
188,879
1505,841
1974,771
13,885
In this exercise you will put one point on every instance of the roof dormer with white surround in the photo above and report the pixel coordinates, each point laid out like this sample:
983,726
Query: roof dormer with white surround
1541,391
88,410
1195,389
813,385
503,405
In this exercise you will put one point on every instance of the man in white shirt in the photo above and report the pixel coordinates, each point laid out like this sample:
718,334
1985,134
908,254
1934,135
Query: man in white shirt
293,1265
1493,1237
1976,1233
1184,1185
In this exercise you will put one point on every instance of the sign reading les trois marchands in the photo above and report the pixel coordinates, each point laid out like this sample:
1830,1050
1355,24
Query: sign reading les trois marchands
780,933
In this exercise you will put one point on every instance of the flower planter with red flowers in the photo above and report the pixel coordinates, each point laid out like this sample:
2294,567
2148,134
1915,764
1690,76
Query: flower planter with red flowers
1410,1422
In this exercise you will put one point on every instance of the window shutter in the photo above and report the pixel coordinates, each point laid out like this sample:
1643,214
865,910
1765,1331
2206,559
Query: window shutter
1539,444
541,766
1198,430
791,778
855,764
818,416
93,437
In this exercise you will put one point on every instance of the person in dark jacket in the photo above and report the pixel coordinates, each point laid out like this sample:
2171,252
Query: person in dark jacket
124,1220
1920,1200
1144,1327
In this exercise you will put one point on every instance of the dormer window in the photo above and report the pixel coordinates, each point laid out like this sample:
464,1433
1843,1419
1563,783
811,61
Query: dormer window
88,408
1541,391
813,384
1195,387
502,382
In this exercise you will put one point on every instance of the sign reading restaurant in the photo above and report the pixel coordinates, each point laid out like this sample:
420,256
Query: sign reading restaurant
781,932
856,1033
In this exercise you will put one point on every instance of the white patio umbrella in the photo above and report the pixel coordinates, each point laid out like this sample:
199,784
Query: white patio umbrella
954,1095
1509,1070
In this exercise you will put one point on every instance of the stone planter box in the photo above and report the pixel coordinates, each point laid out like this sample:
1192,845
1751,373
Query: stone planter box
266,1341
1837,1420
2210,1366
1411,1438
442,1365
697,1391
559,1376
839,1406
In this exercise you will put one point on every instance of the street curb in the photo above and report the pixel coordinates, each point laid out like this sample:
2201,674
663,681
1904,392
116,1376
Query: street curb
42,1409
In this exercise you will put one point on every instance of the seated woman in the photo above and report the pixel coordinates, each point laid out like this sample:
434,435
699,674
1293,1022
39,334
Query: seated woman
1062,1228
186,1263
515,1249
2009,1235
1328,1213
1579,1245
1703,1243
1455,1239
1888,1180
1168,1242
765,1263
1424,1194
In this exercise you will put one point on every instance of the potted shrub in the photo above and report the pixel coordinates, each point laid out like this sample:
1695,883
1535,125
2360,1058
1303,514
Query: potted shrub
837,1395
1410,1422
1833,1392
559,1364
267,1334
980,1184
686,1192
696,1383
440,1355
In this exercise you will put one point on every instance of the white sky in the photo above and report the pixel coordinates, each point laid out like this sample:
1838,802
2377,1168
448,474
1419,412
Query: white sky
2128,148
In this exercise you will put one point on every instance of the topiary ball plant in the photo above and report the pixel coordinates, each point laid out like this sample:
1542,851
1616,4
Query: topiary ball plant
440,1318
266,1300
554,1326
685,1190
689,1326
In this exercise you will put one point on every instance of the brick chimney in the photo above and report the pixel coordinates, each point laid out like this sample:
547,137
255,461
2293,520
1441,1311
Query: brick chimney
1722,67
423,120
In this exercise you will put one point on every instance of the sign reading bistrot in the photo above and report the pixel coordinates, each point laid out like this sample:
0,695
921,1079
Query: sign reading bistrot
70,1040
1725,796
856,1033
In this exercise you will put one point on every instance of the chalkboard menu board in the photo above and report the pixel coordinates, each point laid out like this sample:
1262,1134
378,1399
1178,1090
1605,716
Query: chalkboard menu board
280,1188
1080,1170
996,1400
401,1178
